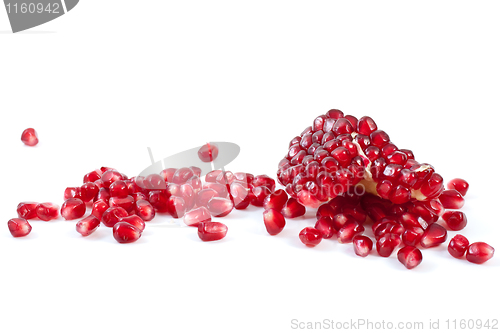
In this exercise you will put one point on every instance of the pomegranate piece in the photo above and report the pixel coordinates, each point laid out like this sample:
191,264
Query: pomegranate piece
240,195
88,225
19,227
276,200
126,203
434,235
264,180
29,137
92,176
88,192
362,245
204,196
208,152
125,232
220,207
211,231
196,216
112,216
455,220
310,236
259,194
211,177
349,231
159,200
458,246
387,244
451,199
325,226
27,210
47,211
459,185
479,253
110,176
412,236
73,208
293,209
119,189
410,256
72,192
144,210
134,220
274,221
176,206
98,208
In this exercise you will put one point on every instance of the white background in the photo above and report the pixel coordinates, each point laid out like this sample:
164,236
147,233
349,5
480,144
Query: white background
111,78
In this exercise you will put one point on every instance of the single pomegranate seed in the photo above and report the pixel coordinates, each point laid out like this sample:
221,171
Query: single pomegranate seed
276,200
222,190
134,220
349,231
458,246
366,126
264,180
47,211
434,235
451,199
119,189
220,207
88,225
88,192
98,208
125,232
112,216
182,175
208,152
211,177
159,200
92,176
168,174
342,219
153,182
73,208
410,256
196,216
176,206
19,227
409,220
293,209
325,226
72,192
412,236
188,194
225,178
204,196
27,210
455,220
211,231
387,244
111,176
479,253
274,221
103,194
310,236
29,137
362,245
259,194
458,184
144,210
240,195
126,203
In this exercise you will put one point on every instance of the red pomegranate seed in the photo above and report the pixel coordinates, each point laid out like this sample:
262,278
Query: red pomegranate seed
139,196
119,189
293,209
244,177
259,194
72,192
434,235
366,126
112,216
27,210
362,245
159,200
103,194
126,203
134,220
173,189
182,175
196,216
274,221
220,207
204,196
327,210
111,176
176,206
208,152
240,195
211,231
458,184
88,225
409,220
154,182
47,211
410,256
98,208
276,200
349,231
412,236
264,180
187,193
92,176
221,190
455,220
310,236
458,246
479,253
387,244
211,177
144,210
168,174
124,232
225,178
451,199
325,226
19,227
341,219
73,208
88,192
29,137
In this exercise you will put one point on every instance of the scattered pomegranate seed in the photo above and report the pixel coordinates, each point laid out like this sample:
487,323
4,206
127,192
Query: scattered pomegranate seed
293,209
274,221
110,176
73,208
349,231
479,253
159,200
310,236
98,208
220,207
458,246
412,236
112,216
19,227
72,192
119,189
276,200
134,220
88,191
176,206
458,184
240,194
88,225
29,137
124,232
264,180
27,210
47,211
410,256
126,203
144,210
387,244
434,235
208,152
259,195
362,245
92,176
211,231
196,216
451,199
455,220
204,196
325,226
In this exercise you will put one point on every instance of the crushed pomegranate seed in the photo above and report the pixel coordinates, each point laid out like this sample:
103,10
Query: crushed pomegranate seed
29,137
19,227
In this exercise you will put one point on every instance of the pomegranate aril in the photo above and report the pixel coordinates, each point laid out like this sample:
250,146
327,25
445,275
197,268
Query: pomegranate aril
92,176
310,236
182,175
455,220
293,209
27,210
159,200
244,177
220,207
274,221
451,199
204,196
479,252
387,244
19,227
211,177
134,220
259,194
225,178
110,176
208,152
324,225
400,195
211,231
458,246
410,256
434,235
459,185
196,216
366,125
188,194
362,245
239,195
29,137
119,189
88,225
103,194
348,231
144,210
112,216
433,187
72,192
176,206
98,208
412,236
47,211
88,191
125,232
73,208
334,114
276,200
342,219
126,203
264,180
222,190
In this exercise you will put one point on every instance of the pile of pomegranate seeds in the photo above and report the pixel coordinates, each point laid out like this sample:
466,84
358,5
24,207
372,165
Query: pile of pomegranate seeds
29,137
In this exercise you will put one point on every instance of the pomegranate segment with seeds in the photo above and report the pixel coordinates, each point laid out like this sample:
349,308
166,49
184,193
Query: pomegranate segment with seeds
310,236
47,211
410,256
73,208
29,137
88,225
19,227
211,231
274,221
479,252
27,210
125,232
